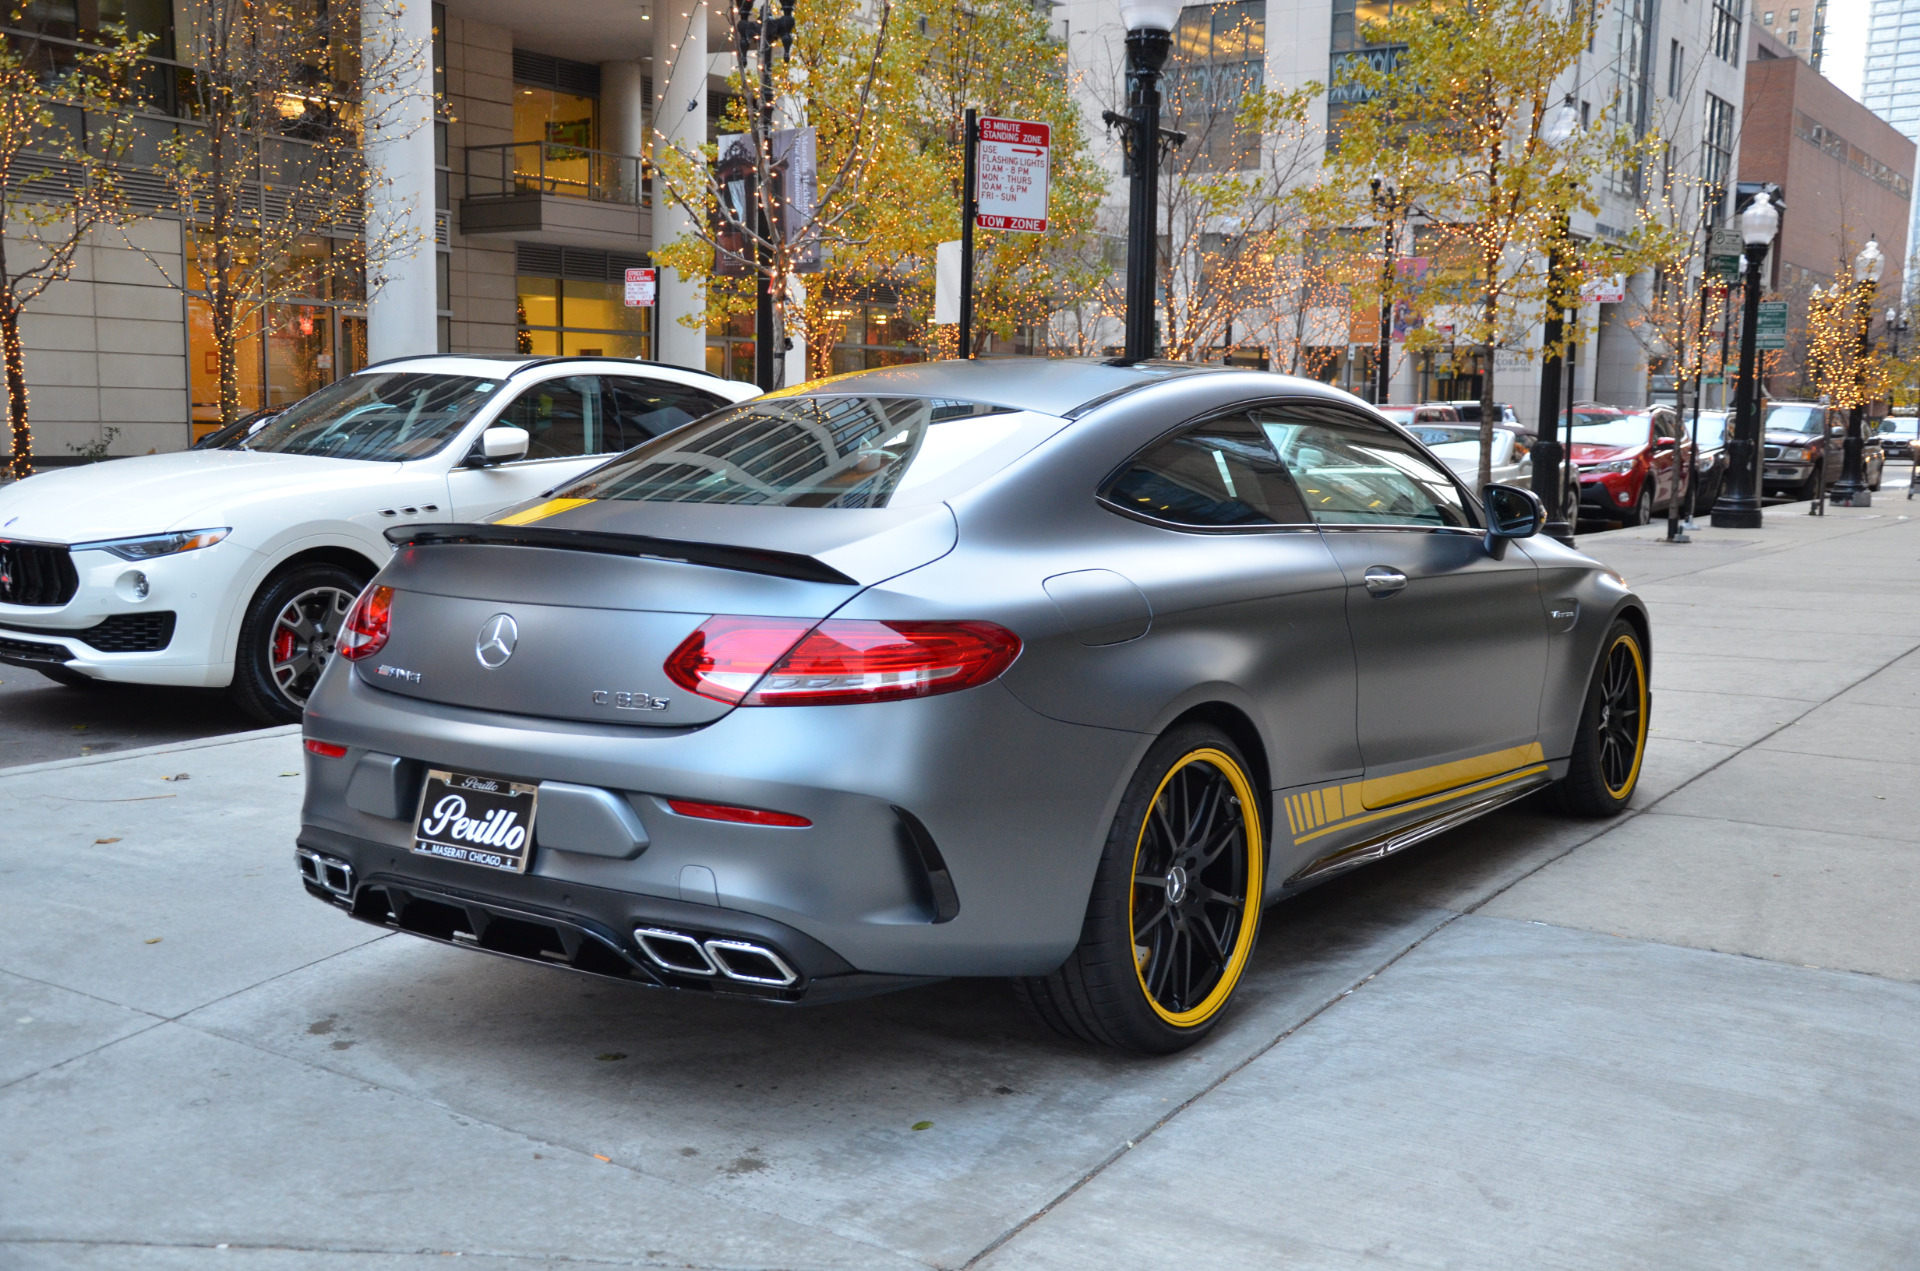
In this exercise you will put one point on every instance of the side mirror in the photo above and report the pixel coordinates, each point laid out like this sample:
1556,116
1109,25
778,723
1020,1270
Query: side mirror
1837,430
1664,443
1511,513
497,445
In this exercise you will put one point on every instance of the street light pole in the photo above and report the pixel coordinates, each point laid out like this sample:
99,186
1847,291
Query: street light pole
759,35
1739,505
1549,455
1850,491
1384,200
1149,26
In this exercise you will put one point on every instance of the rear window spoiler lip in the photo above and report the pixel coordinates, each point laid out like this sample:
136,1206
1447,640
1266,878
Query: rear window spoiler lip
748,560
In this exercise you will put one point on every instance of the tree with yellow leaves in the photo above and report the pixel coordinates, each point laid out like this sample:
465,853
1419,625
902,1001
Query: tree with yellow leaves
1468,123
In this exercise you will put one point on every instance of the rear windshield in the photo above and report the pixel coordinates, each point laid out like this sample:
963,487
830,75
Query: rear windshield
390,417
824,452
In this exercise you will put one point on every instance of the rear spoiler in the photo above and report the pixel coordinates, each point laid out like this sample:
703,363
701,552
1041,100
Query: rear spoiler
749,560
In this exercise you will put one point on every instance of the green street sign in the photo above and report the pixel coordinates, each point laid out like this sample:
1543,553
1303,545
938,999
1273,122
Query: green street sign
1771,331
1724,266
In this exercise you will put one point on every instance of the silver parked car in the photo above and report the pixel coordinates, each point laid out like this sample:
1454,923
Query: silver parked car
1053,670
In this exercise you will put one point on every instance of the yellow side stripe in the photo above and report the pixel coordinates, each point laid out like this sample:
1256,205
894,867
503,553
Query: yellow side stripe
541,511
1380,792
1442,797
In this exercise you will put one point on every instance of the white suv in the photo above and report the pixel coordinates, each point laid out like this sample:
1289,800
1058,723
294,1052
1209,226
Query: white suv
233,566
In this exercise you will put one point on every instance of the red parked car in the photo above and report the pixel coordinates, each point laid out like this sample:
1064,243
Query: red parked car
1628,463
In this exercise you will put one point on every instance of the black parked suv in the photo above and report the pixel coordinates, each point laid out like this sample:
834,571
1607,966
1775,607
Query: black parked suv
1806,447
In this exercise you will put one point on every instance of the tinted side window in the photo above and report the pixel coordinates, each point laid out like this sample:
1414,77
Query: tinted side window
1352,471
1223,472
563,418
642,409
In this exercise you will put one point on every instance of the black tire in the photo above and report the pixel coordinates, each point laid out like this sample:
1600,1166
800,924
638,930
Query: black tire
67,676
287,638
1643,506
1611,743
1170,822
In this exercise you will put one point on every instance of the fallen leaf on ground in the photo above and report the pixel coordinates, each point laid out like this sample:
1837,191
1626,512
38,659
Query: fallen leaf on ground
156,940
923,1125
181,776
79,728
289,774
610,1056
115,839
607,1159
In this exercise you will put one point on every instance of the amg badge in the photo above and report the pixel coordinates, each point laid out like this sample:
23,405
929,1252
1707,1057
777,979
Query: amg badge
629,701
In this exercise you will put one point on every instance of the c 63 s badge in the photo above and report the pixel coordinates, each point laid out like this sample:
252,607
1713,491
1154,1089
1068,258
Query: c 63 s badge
629,701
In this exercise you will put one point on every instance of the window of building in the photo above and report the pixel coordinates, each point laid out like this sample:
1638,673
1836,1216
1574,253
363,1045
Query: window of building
1726,31
1219,57
572,301
1676,70
875,335
1793,15
1717,152
556,122
286,350
1767,18
1793,39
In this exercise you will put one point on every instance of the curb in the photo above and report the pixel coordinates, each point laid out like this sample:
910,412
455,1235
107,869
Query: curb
203,743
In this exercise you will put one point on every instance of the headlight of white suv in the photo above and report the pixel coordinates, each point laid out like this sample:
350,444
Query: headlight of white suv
148,546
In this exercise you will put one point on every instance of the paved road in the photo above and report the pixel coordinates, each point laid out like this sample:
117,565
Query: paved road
1689,1037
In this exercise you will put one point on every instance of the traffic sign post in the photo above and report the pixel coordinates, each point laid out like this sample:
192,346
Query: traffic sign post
1004,180
640,288
1010,173
1770,332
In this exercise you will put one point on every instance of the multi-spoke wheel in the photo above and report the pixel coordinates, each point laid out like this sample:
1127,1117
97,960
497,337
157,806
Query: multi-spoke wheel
287,639
1611,743
1175,905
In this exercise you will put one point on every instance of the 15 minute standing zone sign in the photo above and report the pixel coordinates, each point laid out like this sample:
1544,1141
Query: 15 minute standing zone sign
1010,184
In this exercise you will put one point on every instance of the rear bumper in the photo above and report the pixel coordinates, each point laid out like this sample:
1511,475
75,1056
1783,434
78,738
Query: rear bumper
971,795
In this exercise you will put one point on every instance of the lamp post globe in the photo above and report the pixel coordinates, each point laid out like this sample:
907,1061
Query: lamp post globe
1739,504
1851,491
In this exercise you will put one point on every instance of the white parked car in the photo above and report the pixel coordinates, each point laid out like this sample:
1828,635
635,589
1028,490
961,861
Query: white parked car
1458,446
235,566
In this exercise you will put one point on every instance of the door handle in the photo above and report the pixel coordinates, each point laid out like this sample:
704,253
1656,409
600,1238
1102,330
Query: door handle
1382,582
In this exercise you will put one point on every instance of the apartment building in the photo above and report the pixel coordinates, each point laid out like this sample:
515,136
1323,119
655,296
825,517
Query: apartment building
1890,87
1801,30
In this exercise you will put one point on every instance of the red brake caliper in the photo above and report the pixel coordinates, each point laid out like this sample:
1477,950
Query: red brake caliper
283,646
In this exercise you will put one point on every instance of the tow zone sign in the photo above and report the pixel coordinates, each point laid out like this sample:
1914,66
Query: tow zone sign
1010,182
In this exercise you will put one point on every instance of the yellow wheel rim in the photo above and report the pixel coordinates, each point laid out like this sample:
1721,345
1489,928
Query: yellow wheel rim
1623,716
1193,907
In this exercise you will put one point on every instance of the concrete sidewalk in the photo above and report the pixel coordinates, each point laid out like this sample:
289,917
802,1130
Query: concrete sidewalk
1686,1038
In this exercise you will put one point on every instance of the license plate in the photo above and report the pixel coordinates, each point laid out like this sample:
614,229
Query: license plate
485,821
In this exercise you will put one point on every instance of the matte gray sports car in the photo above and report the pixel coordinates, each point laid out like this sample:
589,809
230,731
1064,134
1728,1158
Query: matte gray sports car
1053,670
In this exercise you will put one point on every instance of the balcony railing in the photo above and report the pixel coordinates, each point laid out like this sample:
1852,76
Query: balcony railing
550,167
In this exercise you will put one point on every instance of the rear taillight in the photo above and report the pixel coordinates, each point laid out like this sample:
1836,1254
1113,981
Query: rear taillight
368,623
738,815
325,749
780,662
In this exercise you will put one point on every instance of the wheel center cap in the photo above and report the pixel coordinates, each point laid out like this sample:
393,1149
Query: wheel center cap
1606,716
1176,885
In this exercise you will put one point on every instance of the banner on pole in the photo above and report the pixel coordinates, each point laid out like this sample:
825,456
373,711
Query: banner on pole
946,282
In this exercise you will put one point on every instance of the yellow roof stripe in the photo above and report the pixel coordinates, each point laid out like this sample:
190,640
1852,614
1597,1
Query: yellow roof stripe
541,511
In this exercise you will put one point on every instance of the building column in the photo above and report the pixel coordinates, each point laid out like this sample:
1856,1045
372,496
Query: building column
679,119
623,121
403,304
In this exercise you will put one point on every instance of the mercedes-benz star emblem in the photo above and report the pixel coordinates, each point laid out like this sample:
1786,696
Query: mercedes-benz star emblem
498,635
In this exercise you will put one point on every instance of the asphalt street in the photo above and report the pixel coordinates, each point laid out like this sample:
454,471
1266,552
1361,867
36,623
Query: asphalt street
1687,1038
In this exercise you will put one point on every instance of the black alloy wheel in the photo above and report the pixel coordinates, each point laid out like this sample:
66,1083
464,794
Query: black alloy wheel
1610,744
1175,908
288,637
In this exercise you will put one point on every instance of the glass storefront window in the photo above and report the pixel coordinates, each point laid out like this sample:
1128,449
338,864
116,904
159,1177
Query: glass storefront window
582,319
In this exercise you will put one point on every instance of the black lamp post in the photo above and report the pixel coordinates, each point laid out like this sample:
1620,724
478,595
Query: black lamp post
1549,455
1386,206
1739,505
759,35
1149,38
1850,491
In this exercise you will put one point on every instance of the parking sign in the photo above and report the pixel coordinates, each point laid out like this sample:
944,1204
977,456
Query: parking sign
1010,185
640,288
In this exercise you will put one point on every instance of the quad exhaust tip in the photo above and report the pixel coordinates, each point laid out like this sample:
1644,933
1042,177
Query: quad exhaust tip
736,960
327,872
